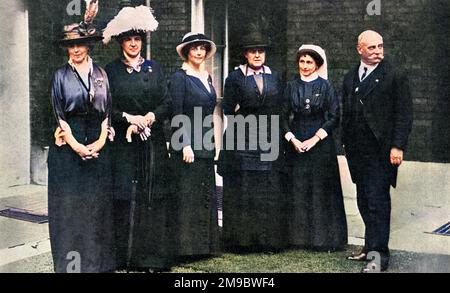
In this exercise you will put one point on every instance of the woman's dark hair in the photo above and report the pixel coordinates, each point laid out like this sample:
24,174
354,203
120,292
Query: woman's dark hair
313,54
120,38
187,48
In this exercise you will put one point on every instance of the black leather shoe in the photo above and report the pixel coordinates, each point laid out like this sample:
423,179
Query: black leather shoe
384,265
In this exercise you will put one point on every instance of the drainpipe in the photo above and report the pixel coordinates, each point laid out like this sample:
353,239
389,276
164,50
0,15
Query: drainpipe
197,16
149,47
227,45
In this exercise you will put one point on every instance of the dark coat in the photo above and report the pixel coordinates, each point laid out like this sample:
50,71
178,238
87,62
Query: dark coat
189,95
252,202
138,93
193,204
242,91
387,109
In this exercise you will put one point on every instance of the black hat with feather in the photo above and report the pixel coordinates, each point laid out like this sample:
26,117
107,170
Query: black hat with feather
83,32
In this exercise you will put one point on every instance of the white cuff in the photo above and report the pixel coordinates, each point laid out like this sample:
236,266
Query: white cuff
321,133
288,136
188,147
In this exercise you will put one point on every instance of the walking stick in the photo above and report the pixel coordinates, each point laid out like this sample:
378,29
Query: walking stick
134,183
151,173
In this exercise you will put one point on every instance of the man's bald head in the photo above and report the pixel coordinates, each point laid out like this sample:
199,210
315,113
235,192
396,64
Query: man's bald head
369,35
370,47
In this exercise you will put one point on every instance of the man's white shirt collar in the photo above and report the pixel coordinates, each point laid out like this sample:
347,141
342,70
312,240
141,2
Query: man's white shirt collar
370,69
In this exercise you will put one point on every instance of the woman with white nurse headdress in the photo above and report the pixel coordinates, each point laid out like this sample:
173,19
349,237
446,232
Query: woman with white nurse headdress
316,215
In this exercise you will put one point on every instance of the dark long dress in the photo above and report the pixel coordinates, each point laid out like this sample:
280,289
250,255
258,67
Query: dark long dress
79,192
316,210
138,93
252,199
196,221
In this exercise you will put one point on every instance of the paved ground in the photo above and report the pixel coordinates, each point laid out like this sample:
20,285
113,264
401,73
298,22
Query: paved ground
420,204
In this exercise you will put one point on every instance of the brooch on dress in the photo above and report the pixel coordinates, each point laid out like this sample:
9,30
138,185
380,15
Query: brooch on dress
98,82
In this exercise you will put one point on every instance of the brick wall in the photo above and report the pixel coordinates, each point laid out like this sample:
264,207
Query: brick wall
270,18
415,33
416,37
174,19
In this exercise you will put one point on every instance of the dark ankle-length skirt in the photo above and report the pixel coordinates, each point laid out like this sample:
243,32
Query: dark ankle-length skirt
253,211
195,213
80,208
315,202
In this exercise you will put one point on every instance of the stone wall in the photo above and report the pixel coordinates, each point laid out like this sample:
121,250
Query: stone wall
14,95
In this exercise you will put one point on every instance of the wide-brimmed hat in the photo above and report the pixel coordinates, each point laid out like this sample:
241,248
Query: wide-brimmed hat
193,37
83,32
130,21
254,39
319,56
79,33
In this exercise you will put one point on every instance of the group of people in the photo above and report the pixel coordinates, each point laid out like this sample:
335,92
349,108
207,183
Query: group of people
122,197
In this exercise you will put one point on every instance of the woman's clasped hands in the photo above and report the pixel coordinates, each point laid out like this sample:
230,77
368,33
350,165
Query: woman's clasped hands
140,125
305,146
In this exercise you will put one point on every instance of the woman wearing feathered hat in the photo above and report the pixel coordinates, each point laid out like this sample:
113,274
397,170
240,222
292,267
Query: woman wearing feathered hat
79,198
194,97
316,214
252,201
140,160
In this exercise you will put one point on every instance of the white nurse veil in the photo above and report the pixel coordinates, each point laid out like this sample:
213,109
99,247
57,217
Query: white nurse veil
323,70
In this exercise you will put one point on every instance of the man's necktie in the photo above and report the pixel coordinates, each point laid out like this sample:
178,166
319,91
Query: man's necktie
364,74
259,82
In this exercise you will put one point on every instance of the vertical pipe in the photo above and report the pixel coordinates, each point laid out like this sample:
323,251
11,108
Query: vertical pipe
197,16
149,46
226,49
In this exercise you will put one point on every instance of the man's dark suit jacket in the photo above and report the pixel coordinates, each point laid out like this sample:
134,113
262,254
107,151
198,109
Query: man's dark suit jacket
388,111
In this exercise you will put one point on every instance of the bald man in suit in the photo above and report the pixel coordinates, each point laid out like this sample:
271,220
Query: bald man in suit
377,120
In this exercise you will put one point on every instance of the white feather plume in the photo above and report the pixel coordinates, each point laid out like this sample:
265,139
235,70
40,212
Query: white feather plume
91,11
130,18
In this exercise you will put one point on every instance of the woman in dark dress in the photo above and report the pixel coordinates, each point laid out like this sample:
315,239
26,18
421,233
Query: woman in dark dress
140,155
194,98
79,180
252,201
316,209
